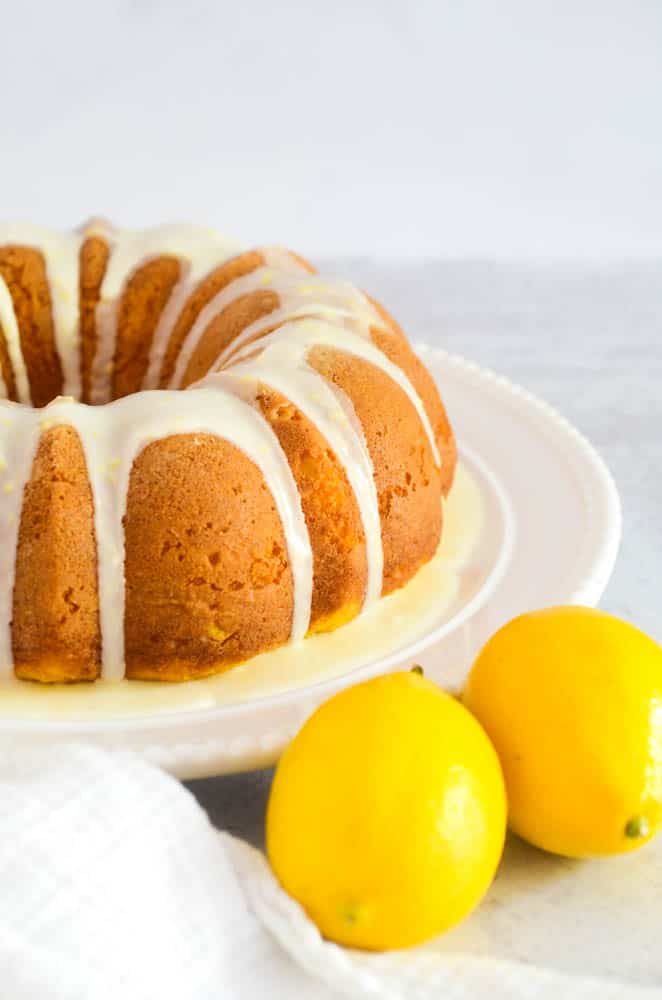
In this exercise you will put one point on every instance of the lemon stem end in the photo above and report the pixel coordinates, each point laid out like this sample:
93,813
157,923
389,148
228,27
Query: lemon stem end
637,827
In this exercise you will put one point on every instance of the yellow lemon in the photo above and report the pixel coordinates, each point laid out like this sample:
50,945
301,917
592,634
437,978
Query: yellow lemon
572,700
387,814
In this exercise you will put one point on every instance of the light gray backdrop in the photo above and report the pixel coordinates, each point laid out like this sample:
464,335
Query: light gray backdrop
415,127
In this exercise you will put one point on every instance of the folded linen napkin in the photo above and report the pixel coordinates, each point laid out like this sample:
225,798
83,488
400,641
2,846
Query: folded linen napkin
113,883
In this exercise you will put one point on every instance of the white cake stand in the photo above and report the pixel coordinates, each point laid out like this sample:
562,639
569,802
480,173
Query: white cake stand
551,532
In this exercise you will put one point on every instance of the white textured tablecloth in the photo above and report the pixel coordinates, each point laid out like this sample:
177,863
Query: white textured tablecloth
113,884
587,338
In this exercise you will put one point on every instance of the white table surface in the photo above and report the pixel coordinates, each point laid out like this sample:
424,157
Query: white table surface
585,337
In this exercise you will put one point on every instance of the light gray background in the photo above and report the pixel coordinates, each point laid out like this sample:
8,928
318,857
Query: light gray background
417,127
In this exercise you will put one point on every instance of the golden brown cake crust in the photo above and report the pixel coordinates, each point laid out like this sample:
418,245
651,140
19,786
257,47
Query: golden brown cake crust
391,340
406,477
340,568
140,307
304,264
6,367
93,261
208,581
398,351
24,271
55,628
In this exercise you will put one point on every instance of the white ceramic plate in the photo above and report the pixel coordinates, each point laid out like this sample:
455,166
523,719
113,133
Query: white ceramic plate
552,526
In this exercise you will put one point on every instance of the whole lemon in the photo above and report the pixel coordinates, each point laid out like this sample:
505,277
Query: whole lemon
387,814
572,700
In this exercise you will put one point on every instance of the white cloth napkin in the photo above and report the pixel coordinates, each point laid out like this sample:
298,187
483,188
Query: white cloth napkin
113,884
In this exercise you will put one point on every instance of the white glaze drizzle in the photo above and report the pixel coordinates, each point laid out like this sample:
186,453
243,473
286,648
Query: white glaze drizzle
310,332
200,260
332,300
315,310
197,248
297,294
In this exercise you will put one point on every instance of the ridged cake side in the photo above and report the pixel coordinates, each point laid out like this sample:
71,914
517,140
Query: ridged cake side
169,535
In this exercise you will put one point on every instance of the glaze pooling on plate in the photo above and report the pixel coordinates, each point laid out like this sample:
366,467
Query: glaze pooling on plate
312,312
404,614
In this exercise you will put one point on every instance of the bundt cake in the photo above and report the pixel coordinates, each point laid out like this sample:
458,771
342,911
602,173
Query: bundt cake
151,533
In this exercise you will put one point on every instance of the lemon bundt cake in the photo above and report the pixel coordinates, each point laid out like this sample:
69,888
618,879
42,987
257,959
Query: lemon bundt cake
151,533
